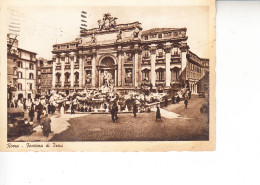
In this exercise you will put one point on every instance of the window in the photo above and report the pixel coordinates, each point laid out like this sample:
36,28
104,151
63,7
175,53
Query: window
57,77
146,54
146,37
76,77
145,74
175,74
160,52
20,64
30,86
67,77
31,66
68,46
160,36
20,86
20,74
160,74
31,76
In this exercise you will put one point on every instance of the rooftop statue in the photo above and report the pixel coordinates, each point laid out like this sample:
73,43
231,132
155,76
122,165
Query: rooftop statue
107,22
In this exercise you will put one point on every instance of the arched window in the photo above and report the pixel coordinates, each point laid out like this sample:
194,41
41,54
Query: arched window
31,76
76,77
58,77
67,77
20,74
20,86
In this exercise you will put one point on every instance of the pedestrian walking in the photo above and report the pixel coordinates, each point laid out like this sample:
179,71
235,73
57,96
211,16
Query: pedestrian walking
134,109
186,102
31,114
173,99
158,113
46,125
189,94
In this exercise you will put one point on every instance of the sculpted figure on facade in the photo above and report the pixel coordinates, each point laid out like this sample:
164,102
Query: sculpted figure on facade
129,77
119,35
136,32
107,22
107,78
129,57
93,38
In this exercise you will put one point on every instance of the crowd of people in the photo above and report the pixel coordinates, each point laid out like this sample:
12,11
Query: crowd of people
86,101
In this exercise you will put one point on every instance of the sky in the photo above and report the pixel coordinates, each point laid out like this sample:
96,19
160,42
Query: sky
41,27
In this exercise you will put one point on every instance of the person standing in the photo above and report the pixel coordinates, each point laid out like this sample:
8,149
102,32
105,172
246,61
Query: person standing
166,102
62,111
158,113
177,99
112,111
186,102
72,108
116,111
46,125
31,114
49,108
134,109
189,94
173,99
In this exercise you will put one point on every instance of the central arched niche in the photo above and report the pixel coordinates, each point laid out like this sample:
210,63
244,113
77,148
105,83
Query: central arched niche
108,62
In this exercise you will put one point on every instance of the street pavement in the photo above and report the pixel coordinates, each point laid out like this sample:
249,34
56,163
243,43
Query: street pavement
177,124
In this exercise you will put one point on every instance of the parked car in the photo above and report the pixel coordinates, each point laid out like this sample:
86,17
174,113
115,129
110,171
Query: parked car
16,123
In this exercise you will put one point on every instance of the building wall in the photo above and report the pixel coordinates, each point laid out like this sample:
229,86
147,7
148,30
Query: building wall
132,56
25,80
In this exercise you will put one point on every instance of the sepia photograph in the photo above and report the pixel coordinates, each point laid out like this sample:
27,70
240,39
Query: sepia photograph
86,74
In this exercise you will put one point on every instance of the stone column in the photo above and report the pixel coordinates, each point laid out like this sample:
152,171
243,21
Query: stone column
153,60
62,69
72,62
55,60
119,68
83,71
99,79
168,65
184,49
136,51
115,77
93,69
80,70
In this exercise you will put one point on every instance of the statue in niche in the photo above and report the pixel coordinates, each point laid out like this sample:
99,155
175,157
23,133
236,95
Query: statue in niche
119,35
107,79
89,77
89,60
93,38
128,77
129,57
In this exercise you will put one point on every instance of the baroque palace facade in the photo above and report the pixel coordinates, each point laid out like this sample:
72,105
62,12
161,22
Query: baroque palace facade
128,58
